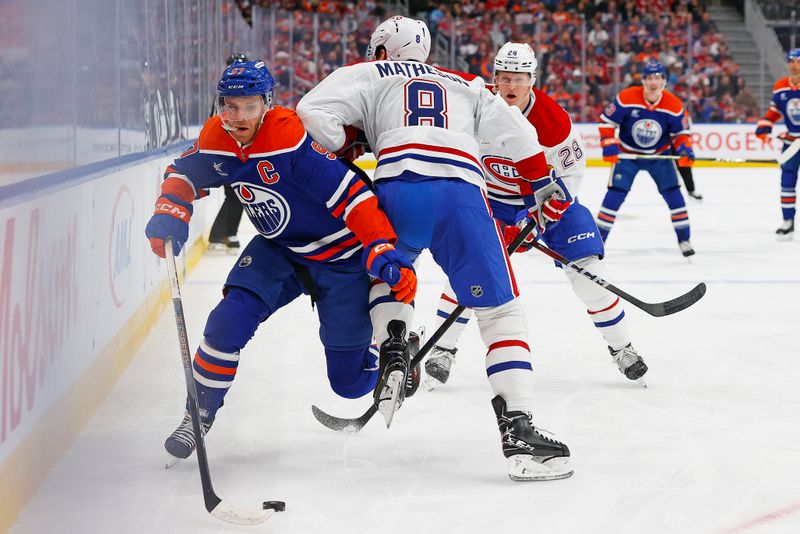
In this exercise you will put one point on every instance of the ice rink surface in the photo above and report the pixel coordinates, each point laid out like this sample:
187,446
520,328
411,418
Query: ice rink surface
711,446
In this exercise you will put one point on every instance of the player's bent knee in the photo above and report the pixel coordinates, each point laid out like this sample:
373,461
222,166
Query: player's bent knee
235,319
351,373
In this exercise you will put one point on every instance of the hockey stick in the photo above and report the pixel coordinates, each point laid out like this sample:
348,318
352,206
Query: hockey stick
658,309
216,507
789,153
343,424
674,157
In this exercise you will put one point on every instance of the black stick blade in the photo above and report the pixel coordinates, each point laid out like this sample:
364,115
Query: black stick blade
343,424
679,303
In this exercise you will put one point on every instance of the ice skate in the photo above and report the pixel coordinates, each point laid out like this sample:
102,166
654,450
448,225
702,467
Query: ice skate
630,363
533,453
415,340
391,389
686,248
181,443
232,243
695,195
786,230
217,248
438,365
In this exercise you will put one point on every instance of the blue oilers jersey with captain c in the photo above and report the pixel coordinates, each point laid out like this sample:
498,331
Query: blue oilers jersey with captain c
786,103
289,187
643,127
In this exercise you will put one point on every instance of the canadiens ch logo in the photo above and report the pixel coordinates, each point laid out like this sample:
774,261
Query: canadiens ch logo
269,211
501,168
793,110
646,132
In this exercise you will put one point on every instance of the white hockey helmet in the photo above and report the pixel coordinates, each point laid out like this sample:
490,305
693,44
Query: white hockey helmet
516,57
403,39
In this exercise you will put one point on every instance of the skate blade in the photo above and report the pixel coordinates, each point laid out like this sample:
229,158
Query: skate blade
388,406
642,382
785,237
523,468
171,460
430,383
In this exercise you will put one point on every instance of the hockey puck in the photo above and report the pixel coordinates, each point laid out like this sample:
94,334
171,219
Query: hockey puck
278,506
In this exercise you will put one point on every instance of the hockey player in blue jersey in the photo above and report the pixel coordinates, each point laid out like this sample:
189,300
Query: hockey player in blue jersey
315,218
646,120
422,123
786,103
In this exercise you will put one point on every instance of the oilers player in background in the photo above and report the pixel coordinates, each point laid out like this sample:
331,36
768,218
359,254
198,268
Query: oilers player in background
314,218
646,120
576,236
786,103
422,123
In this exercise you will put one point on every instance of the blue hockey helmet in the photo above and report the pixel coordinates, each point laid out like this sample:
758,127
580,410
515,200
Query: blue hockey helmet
246,78
654,67
793,54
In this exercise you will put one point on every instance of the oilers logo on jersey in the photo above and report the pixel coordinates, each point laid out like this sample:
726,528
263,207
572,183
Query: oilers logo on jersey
269,211
793,110
646,132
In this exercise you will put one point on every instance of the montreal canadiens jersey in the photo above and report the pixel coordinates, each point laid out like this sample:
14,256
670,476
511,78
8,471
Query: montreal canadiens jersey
289,187
421,121
785,103
562,147
645,128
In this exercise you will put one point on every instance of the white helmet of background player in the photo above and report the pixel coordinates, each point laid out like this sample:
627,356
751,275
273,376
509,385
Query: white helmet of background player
403,39
516,57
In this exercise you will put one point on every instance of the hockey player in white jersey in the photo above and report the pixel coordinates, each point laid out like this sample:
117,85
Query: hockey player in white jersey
422,123
576,237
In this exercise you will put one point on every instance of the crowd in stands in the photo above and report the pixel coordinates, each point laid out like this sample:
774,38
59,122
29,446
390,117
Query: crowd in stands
588,50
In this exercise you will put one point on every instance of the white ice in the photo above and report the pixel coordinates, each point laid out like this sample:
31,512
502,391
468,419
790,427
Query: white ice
711,446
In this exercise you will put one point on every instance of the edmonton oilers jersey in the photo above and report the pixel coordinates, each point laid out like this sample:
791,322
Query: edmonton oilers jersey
645,128
289,187
785,102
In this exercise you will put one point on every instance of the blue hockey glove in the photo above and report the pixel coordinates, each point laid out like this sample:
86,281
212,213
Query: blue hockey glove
610,149
170,219
687,155
763,131
383,261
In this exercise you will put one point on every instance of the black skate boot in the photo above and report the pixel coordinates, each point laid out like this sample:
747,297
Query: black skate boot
180,443
533,454
438,366
786,230
686,248
629,363
391,389
414,377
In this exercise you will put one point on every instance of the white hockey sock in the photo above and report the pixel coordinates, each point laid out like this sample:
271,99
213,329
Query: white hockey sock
448,303
383,308
604,308
504,330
